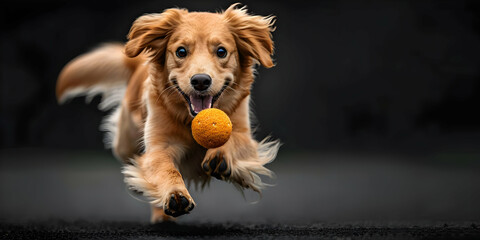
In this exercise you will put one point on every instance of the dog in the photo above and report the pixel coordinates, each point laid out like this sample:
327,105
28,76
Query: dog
174,65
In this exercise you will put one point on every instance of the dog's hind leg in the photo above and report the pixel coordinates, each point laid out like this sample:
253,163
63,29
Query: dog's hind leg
158,215
125,134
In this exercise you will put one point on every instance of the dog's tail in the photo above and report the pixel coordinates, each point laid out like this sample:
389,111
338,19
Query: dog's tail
104,70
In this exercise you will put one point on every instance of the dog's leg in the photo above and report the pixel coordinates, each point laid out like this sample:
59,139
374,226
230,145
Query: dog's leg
159,179
126,139
220,162
158,215
155,173
240,161
242,158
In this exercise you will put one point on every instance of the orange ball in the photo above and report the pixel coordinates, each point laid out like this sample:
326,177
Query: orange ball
211,128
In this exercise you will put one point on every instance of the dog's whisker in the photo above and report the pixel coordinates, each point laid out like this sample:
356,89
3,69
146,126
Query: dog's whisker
231,89
166,90
169,92
234,83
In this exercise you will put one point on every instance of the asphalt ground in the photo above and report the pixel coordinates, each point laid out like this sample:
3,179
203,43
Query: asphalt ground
48,194
131,230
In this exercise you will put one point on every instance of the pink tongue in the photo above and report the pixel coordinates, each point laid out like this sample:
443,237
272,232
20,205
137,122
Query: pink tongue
200,103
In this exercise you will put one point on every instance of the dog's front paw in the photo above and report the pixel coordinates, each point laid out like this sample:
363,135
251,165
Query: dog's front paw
217,167
178,204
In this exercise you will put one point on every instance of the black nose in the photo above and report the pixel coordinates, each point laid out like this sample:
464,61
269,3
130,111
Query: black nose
201,81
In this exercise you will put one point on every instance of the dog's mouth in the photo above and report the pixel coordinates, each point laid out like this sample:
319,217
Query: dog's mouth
198,102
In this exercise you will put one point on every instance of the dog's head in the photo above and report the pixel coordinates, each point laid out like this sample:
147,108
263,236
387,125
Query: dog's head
206,58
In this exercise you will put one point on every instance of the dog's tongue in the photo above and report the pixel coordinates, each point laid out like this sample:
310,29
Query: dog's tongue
199,103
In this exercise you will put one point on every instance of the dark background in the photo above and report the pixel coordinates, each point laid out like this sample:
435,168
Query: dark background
376,103
369,75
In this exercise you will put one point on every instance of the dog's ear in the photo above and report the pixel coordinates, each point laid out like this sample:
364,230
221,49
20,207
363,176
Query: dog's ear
150,32
253,34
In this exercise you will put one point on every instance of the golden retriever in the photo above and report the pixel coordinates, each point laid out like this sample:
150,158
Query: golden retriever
174,65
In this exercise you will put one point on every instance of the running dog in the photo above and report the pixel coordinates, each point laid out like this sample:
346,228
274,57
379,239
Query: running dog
174,65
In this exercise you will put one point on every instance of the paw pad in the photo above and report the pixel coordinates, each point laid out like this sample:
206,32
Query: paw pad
178,205
218,168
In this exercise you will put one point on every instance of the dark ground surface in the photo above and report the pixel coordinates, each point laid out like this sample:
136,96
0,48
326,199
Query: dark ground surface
81,195
129,230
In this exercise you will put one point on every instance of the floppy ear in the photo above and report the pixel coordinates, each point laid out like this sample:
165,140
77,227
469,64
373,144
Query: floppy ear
253,34
150,33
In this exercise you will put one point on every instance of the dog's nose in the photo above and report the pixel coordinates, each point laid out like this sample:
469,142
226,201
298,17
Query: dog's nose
201,81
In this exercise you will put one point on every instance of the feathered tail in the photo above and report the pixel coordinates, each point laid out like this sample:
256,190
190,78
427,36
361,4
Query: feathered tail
102,71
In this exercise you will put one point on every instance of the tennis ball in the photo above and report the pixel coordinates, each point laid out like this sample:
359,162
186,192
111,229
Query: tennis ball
211,128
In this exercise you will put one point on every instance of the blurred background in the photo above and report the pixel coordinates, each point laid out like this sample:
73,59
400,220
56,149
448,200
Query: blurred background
376,103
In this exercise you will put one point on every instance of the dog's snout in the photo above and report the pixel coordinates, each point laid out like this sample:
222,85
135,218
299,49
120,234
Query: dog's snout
201,82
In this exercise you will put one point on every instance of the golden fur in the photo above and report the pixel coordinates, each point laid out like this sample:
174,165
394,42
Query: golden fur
150,128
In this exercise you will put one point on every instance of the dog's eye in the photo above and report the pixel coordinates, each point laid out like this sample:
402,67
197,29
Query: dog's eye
181,52
221,52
